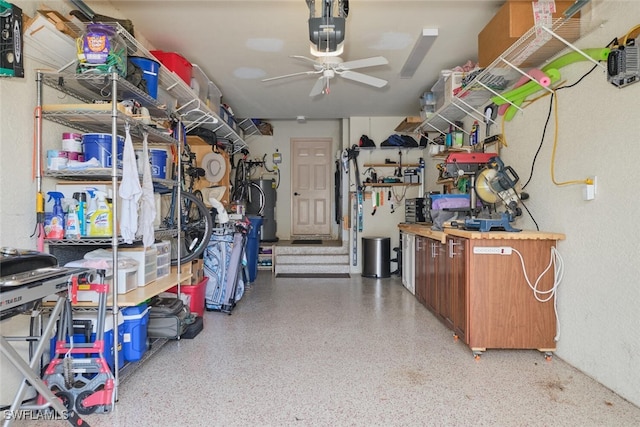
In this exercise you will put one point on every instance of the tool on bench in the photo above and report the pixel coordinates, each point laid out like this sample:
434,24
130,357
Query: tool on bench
496,183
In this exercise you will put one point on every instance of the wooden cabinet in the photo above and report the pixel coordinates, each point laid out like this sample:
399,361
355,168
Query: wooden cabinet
501,307
421,258
435,266
457,254
485,298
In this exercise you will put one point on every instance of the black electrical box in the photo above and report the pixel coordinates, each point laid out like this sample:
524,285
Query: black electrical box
415,210
11,57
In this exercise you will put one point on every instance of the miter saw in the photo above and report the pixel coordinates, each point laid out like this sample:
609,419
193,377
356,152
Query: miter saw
496,183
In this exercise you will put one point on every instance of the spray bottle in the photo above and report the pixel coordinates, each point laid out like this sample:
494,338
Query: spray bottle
473,136
81,198
101,221
56,228
92,205
72,225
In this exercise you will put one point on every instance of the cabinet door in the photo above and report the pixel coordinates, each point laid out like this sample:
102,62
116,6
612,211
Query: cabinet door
458,250
445,298
420,274
431,265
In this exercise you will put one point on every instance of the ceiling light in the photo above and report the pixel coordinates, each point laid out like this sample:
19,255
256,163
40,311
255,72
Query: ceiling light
422,46
301,119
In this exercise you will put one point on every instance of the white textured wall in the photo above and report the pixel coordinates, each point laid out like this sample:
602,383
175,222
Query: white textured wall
384,222
598,135
283,132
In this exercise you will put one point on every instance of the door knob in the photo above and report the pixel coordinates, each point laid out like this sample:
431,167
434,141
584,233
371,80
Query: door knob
296,194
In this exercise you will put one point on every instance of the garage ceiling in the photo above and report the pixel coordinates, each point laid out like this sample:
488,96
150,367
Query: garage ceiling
238,43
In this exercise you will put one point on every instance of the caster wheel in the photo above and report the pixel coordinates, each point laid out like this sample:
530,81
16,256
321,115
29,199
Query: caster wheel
456,337
476,355
548,357
80,408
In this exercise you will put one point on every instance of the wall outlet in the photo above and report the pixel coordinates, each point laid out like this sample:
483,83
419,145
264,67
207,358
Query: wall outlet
492,250
589,192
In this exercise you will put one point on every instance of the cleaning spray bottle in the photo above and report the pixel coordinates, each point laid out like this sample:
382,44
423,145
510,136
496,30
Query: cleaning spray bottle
56,228
101,221
72,225
81,198
92,205
473,136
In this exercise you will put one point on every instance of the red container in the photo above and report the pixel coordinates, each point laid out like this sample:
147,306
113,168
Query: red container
175,63
196,292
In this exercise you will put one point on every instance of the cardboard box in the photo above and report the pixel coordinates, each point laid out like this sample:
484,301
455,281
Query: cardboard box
197,271
511,22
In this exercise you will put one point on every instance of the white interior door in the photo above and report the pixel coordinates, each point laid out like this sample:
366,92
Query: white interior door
311,174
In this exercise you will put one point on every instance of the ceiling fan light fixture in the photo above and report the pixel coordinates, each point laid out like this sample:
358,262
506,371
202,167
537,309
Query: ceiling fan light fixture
423,45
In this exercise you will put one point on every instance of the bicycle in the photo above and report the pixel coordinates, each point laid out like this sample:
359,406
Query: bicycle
244,189
194,218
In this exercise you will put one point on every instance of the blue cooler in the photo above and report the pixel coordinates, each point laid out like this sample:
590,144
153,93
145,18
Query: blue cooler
134,341
108,337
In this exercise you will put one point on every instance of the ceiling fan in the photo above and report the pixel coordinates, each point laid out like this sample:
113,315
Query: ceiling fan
330,66
326,34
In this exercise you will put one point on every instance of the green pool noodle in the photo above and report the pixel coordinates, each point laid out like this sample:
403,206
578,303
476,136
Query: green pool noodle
596,53
526,89
511,111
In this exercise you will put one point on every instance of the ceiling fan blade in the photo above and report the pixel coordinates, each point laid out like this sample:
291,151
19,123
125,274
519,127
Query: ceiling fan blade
291,75
305,59
363,78
362,63
318,88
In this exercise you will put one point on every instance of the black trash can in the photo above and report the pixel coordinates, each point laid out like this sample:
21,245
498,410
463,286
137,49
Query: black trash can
376,257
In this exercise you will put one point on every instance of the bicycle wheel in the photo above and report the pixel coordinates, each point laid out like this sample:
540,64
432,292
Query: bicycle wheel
196,226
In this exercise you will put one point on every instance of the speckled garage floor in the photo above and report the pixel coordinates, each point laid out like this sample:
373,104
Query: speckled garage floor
350,352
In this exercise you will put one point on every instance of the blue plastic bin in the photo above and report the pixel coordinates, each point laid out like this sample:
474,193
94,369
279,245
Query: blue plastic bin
253,246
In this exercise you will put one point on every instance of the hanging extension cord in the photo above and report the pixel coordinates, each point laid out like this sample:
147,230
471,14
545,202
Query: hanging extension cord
557,263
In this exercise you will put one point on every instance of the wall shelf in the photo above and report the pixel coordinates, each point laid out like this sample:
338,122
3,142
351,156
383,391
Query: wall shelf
193,112
535,47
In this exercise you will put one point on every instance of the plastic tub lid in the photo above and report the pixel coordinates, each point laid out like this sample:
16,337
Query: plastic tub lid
124,262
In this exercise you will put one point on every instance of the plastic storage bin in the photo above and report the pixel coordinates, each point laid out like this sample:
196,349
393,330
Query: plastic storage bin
175,63
98,146
164,258
147,259
127,274
134,337
253,246
150,69
158,159
196,295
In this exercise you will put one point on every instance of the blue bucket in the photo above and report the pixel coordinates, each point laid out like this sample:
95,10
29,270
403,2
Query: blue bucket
158,163
98,146
150,69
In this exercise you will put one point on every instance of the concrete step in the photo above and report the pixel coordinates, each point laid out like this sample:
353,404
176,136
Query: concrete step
318,259
313,259
311,269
